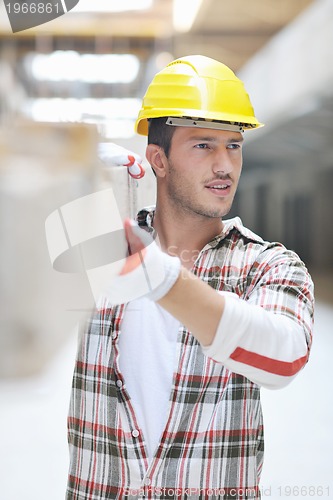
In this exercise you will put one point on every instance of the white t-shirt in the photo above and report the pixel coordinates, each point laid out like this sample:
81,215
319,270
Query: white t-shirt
147,350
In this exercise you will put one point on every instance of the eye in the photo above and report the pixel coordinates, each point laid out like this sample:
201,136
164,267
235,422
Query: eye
202,145
234,145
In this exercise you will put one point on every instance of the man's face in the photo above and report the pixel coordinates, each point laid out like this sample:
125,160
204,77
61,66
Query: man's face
204,167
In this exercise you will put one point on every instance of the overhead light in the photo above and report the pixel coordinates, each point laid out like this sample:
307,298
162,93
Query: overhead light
115,117
184,14
112,5
68,65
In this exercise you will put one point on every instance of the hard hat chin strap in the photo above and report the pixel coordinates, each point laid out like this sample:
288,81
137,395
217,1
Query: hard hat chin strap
202,123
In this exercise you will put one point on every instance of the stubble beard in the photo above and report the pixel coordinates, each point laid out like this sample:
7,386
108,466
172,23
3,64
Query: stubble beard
182,197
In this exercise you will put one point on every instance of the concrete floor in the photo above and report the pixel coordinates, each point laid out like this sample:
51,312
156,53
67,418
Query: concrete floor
298,423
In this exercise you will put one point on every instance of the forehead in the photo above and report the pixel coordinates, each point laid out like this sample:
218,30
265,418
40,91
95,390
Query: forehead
189,134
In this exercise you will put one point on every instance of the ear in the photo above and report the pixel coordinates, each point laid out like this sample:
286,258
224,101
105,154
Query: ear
157,159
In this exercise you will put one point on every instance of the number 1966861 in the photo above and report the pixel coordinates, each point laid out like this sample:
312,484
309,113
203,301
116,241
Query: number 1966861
33,8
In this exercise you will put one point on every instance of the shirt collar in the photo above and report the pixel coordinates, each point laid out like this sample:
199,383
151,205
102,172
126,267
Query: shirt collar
145,218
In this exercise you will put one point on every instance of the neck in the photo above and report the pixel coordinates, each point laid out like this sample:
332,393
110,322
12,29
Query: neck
184,235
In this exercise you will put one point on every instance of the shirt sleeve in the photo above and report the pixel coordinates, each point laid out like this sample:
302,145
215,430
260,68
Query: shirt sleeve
266,335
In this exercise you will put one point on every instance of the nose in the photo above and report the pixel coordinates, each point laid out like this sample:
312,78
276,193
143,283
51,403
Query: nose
222,163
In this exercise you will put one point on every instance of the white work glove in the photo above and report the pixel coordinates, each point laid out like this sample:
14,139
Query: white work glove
113,155
148,272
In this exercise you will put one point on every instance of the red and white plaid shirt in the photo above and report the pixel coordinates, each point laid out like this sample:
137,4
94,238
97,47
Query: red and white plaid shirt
212,445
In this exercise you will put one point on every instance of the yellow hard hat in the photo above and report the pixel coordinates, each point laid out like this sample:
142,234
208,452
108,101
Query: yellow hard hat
200,88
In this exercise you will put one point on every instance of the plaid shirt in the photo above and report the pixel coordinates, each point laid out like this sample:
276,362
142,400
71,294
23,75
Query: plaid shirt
212,445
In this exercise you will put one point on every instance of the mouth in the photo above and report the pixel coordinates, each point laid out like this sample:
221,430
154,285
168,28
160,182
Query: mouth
219,188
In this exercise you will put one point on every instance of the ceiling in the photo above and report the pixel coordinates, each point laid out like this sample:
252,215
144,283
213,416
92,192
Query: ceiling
231,31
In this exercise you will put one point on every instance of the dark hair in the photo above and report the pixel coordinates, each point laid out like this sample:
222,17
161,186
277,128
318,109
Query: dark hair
160,133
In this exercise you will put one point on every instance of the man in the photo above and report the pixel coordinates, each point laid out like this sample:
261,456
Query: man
166,390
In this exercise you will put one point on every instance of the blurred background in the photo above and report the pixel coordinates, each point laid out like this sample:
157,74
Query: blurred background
77,81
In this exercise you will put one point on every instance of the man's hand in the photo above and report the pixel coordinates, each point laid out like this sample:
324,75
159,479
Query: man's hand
113,155
147,272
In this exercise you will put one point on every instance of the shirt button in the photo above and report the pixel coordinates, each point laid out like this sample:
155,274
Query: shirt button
119,383
135,433
147,481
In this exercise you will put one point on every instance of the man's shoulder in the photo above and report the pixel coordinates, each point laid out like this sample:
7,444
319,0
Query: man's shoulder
249,242
235,225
